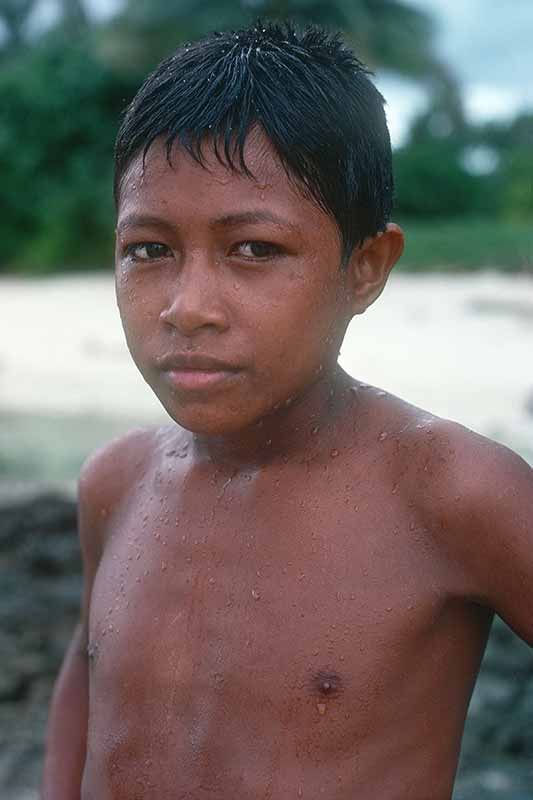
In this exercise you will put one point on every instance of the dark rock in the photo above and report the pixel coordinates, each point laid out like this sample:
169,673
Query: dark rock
40,582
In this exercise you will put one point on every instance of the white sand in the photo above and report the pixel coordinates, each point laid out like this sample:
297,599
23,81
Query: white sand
460,346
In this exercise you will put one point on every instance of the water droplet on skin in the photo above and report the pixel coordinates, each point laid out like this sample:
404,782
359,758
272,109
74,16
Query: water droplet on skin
300,792
381,394
382,436
255,594
211,581
268,442
395,488
315,430
321,708
163,566
334,453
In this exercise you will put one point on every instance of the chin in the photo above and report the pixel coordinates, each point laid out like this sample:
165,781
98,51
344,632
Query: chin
208,421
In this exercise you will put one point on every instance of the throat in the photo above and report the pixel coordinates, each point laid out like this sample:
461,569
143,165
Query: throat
292,430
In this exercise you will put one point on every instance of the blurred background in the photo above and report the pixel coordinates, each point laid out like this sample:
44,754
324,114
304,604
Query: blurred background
453,331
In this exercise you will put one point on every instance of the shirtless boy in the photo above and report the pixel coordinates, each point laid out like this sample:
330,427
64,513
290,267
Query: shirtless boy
288,589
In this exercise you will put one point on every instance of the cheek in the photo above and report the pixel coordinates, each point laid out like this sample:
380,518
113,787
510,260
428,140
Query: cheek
138,308
300,326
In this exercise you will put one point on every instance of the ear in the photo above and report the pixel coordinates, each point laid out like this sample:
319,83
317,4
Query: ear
370,266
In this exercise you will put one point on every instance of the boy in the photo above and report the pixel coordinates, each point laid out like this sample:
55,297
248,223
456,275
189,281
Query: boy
288,589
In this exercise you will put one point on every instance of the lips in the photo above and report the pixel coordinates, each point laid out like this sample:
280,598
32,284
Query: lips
196,371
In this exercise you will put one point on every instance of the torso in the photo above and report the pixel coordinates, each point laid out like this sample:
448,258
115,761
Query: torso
289,632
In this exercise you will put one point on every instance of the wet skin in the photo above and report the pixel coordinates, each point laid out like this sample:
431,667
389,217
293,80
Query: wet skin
284,594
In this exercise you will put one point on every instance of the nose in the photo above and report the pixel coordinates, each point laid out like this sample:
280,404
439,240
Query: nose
196,301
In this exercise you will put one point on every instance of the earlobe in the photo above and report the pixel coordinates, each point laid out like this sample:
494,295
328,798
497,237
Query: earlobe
371,264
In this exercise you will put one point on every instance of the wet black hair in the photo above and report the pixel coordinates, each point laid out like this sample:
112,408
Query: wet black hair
308,92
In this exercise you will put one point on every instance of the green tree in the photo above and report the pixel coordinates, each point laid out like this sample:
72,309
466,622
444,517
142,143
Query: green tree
14,16
61,97
387,33
58,115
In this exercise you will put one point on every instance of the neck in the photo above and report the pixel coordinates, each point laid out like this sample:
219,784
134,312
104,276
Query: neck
289,432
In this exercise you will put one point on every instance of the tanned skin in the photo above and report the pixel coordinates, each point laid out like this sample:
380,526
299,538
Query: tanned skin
289,588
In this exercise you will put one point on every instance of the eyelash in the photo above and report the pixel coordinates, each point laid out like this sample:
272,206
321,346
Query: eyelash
129,250
274,250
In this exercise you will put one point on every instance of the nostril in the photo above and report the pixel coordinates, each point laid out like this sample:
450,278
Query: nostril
194,310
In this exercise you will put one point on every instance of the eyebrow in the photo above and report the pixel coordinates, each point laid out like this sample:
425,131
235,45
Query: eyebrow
225,221
143,220
251,218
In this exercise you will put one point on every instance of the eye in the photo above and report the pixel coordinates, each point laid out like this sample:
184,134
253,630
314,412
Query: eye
259,251
146,251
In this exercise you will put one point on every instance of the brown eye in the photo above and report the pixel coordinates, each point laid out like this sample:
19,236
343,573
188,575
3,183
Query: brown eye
257,250
147,251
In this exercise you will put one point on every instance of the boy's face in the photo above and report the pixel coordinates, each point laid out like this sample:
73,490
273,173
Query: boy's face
229,288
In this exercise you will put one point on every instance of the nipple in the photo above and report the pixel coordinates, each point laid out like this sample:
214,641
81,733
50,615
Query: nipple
327,683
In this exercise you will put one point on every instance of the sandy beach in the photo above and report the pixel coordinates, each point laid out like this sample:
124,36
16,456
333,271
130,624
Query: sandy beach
460,346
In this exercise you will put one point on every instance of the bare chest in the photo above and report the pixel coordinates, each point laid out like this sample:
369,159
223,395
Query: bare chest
244,638
311,601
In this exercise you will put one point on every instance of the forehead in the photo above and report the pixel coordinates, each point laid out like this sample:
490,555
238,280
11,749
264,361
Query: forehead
211,187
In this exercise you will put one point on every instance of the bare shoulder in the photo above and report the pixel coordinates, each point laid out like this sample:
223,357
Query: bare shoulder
108,475
449,459
479,497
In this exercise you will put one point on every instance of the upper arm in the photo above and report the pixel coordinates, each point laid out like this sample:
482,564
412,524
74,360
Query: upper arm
91,532
492,529
103,481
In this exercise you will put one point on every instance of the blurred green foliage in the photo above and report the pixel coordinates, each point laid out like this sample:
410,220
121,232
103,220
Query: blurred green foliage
59,108
62,92
466,243
453,169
